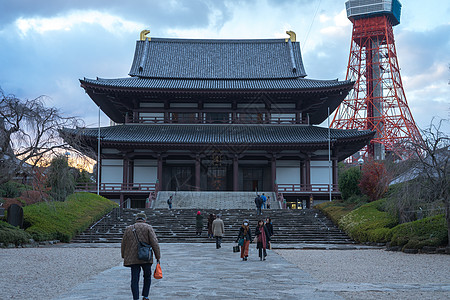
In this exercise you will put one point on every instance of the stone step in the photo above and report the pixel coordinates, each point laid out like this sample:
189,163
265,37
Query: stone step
178,225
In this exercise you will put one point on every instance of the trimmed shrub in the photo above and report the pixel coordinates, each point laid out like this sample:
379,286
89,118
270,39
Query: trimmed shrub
368,223
348,182
64,220
12,235
430,231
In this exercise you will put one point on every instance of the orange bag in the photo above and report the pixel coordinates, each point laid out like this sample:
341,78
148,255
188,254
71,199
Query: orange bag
158,272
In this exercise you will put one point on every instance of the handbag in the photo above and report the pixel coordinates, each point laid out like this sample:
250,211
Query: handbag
241,242
158,272
145,251
236,249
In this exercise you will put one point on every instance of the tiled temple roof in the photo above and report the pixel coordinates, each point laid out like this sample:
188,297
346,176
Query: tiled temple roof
217,59
187,135
203,84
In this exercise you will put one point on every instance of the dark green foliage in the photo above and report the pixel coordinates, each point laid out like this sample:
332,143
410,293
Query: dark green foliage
12,235
60,178
426,232
348,182
11,189
83,177
63,220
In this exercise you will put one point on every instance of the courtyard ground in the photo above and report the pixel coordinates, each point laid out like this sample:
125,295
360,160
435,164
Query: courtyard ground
199,271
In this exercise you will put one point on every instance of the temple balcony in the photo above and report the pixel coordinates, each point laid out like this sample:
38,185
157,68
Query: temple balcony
230,120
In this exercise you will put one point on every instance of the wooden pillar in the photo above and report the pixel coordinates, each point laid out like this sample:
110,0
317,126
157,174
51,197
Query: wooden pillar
303,174
235,174
125,170
274,173
335,174
308,174
159,172
197,173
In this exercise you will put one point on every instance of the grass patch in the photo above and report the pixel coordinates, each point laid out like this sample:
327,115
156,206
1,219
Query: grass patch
334,210
430,231
369,223
64,220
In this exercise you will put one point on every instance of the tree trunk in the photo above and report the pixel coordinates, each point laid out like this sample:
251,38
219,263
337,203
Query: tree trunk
8,162
447,216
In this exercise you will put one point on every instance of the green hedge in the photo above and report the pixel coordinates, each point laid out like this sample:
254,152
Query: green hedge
369,223
64,220
430,231
12,235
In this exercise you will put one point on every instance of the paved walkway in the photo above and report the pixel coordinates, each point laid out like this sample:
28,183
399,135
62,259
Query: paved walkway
199,271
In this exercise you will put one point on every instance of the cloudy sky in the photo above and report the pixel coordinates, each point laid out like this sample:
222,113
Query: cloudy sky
47,45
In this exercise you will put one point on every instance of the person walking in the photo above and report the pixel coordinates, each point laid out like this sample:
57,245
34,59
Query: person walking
262,239
169,201
218,230
211,219
264,199
269,227
198,224
268,202
244,238
258,203
129,249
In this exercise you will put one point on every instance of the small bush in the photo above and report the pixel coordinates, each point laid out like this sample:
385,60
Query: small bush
12,235
11,189
63,220
426,232
348,183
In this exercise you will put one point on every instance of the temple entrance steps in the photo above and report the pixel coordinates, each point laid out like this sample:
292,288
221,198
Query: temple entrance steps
211,200
178,225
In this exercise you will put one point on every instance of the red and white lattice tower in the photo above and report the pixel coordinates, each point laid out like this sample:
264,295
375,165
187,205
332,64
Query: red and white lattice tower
378,100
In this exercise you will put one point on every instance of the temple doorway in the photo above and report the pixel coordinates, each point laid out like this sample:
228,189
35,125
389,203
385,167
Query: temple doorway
253,179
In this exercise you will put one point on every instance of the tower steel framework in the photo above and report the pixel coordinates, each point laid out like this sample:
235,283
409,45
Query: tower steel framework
378,101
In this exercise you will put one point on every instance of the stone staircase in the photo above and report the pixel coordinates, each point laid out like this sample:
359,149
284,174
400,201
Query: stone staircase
211,200
178,225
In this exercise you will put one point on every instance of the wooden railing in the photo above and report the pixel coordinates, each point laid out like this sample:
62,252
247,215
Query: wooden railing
242,120
305,188
116,187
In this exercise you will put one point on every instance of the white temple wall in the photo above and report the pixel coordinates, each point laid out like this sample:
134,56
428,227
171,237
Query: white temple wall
145,171
320,172
288,172
112,171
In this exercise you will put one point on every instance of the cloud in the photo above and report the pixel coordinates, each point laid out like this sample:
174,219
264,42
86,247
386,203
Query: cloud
76,18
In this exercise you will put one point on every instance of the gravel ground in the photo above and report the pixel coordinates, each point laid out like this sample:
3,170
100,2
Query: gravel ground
376,274
43,273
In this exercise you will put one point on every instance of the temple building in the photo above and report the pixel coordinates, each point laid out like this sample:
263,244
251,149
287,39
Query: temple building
218,115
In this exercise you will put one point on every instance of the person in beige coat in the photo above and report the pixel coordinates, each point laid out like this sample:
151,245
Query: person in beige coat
129,249
218,230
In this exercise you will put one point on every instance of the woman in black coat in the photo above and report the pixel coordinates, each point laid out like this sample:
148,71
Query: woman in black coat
244,238
263,239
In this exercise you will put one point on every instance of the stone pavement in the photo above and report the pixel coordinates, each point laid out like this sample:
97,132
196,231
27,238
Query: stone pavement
199,271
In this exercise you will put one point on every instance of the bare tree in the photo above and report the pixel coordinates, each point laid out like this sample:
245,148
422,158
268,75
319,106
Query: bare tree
435,166
29,133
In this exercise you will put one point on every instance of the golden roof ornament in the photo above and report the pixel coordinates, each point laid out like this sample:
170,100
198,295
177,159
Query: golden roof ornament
143,35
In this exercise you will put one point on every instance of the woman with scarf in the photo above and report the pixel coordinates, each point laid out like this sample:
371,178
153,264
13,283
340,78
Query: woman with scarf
263,239
244,238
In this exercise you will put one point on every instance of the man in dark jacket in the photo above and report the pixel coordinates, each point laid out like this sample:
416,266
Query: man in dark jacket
259,203
129,249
